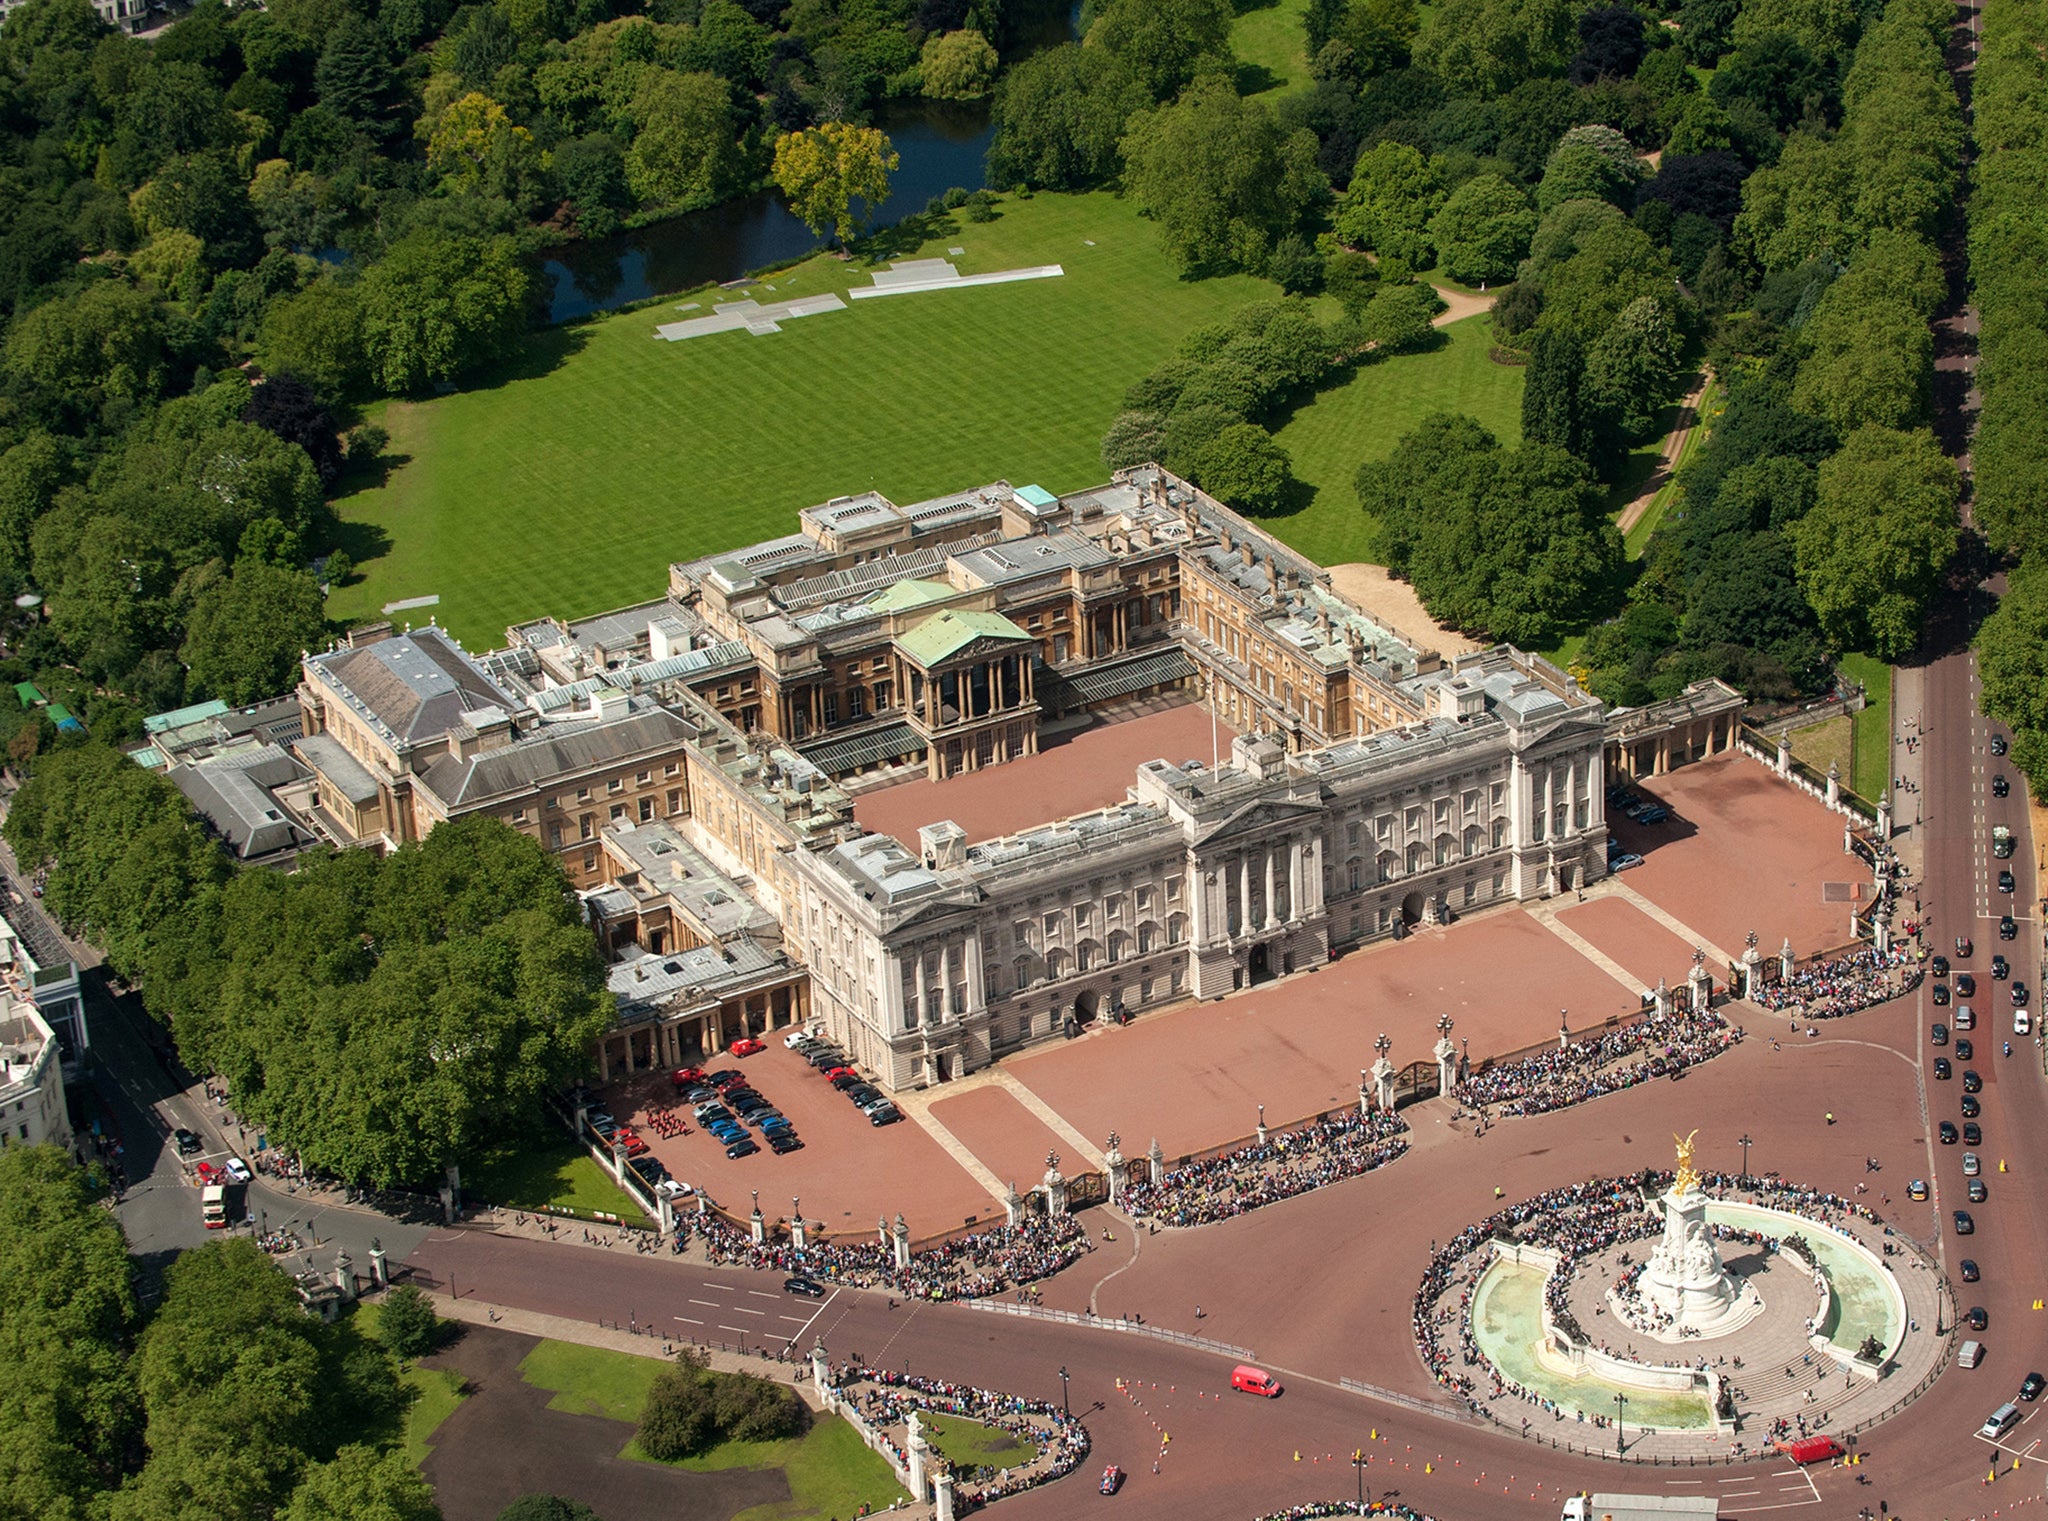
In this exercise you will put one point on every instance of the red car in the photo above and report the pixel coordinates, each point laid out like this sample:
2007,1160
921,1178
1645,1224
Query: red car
1112,1479
837,1073
684,1077
748,1046
627,1137
209,1174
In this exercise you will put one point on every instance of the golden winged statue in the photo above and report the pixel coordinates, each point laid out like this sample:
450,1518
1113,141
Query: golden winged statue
1687,1179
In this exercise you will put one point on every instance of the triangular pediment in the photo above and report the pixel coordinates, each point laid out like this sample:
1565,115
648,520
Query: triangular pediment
1258,818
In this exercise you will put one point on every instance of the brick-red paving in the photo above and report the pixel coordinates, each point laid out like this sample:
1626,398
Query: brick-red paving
1008,1138
1742,851
848,1173
1618,928
1195,1076
1093,769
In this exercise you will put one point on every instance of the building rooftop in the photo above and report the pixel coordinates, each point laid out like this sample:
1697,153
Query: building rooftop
666,863
555,751
410,688
235,793
644,984
938,638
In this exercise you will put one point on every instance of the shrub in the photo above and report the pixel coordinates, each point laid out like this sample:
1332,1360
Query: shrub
409,1326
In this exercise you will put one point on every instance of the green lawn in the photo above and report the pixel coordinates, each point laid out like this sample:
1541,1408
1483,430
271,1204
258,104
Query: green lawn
1365,416
1872,772
831,1472
435,1394
968,1444
552,1169
567,486
1830,742
1270,40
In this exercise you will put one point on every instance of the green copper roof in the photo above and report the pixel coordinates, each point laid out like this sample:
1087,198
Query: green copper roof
908,594
1037,496
936,638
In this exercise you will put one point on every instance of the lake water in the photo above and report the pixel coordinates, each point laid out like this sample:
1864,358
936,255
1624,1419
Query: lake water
942,144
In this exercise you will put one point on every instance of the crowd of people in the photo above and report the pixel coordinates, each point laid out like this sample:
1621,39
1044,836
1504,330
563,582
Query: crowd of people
974,1266
1338,1146
884,1398
1842,985
1594,1065
1314,1510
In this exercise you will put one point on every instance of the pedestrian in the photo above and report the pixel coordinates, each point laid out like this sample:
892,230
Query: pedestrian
1831,1116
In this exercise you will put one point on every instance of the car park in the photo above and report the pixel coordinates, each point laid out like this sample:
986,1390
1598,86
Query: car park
784,1141
1938,1034
1964,1224
1976,1190
743,1147
1965,1051
2007,929
886,1114
810,1288
1917,1189
1968,1270
2000,968
2005,881
1942,1070
1948,1133
188,1141
1999,785
748,1047
1971,1107
1976,1318
1972,1083
2031,1387
1941,995
1973,1134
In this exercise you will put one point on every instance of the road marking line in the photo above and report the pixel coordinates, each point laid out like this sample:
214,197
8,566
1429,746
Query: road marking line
712,1302
740,1309
763,1294
691,1319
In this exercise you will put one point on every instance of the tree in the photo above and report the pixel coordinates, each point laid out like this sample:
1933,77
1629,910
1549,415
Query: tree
287,407
1059,117
435,307
1162,42
1871,552
1870,360
1801,207
318,335
407,1324
2012,654
1219,177
72,354
958,66
678,1419
1399,318
247,633
1244,467
1611,44
685,149
476,138
201,194
1389,203
362,1484
1590,164
354,76
1482,230
30,473
822,169
1487,47
1134,438
591,173
1632,369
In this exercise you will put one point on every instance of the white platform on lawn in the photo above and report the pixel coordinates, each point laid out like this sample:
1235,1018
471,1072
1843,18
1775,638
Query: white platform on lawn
910,276
751,315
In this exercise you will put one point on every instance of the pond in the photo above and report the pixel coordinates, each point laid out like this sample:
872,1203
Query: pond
941,143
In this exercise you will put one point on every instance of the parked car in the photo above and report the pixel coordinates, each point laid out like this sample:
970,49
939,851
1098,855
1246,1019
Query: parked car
869,1106
773,1123
1976,1318
1973,1134
1625,861
810,1288
1948,1133
711,1109
1965,1226
743,1147
189,1143
1653,815
725,1135
1941,995
860,1093
1942,1070
886,1114
1968,1268
782,1141
725,1077
798,1036
2007,929
826,1057
2031,1387
1976,1190
673,1188
686,1077
833,1074
1999,785
1917,1189
748,1047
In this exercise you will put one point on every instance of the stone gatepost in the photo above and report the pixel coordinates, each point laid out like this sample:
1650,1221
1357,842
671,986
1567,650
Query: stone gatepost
703,1205
1364,1092
1882,936
1848,837
1055,1184
1884,816
943,1487
1834,784
1564,1033
821,1371
664,1214
380,1274
618,1162
1155,1160
1785,959
1750,967
1013,1205
345,1277
902,1244
1262,1125
1784,755
1663,998
916,1452
796,1233
1113,1165
757,1226
1383,1083
1699,979
1446,1054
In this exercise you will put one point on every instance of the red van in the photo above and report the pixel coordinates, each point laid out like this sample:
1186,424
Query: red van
1254,1381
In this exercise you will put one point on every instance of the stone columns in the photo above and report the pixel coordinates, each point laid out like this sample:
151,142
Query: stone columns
1244,892
379,1273
946,1009
1750,966
1785,960
882,1230
1699,979
344,1277
1663,998
1834,784
1055,1184
1364,1092
1383,1082
821,1372
1446,1054
923,995
1113,1165
942,1487
902,1244
757,1226
977,979
1848,837
1013,1206
1155,1160
916,1452
1294,879
1262,1125
1884,815
796,1225
1784,755
664,1214
1270,919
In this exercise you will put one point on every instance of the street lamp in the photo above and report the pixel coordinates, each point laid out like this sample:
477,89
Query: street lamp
1744,1143
1443,1026
1065,1409
1382,1044
1619,1401
1358,1462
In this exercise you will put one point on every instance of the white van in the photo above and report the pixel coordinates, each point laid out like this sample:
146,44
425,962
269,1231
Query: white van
1965,1017
1970,1354
1999,1422
2022,1023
